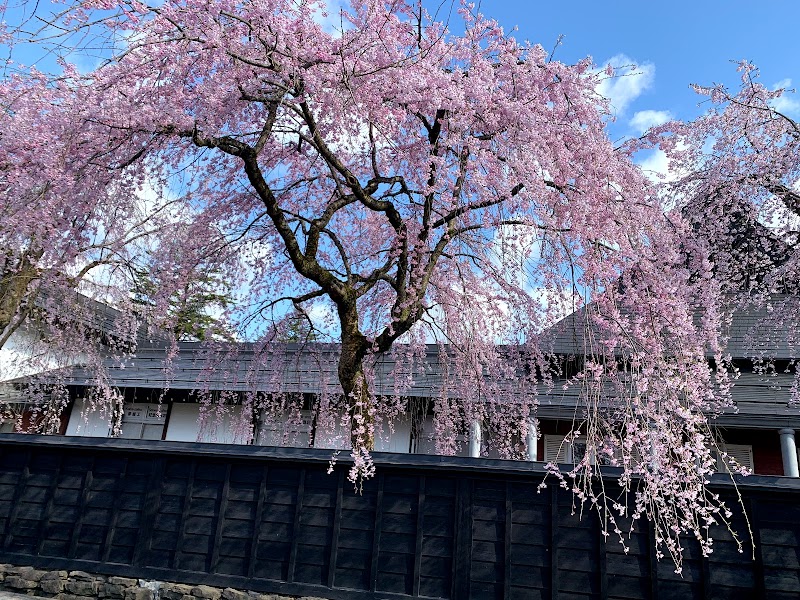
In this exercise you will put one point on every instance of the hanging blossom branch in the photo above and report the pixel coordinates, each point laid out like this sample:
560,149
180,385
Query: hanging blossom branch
424,187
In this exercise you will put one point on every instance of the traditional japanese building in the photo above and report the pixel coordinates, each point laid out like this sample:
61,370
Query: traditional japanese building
199,394
245,503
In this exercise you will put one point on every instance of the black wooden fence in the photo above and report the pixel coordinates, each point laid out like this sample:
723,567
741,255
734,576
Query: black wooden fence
273,520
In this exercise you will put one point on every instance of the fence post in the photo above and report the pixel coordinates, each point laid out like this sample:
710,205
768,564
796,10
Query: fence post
152,501
463,540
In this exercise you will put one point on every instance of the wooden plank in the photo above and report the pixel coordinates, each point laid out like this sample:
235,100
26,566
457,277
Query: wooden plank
49,506
420,525
298,510
180,543
507,542
112,525
337,522
149,510
705,579
602,542
15,503
376,535
262,493
554,567
462,541
758,556
167,419
653,571
85,493
223,505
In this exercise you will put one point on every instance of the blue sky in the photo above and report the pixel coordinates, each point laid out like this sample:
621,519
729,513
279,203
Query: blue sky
678,43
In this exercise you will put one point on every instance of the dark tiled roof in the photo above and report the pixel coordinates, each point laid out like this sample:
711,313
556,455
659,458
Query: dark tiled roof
757,330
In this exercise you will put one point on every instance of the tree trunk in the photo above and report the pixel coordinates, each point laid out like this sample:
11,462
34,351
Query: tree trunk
14,291
354,382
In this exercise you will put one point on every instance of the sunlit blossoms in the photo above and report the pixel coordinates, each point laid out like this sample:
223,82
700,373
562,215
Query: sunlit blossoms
386,186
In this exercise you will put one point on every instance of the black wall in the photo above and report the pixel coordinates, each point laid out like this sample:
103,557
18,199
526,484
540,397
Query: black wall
273,520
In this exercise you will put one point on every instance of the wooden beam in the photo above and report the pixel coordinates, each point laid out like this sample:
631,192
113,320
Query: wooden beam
418,534
259,516
376,534
223,506
298,509
337,522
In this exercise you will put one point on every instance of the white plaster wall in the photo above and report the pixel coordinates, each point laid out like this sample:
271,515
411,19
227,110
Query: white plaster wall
184,425
336,437
397,441
339,438
425,445
88,423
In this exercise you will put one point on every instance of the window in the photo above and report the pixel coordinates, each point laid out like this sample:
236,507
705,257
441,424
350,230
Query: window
558,450
143,422
423,441
9,416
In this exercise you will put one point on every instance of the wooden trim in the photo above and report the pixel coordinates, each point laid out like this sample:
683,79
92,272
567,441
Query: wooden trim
337,522
705,578
554,571
85,493
602,550
223,507
152,502
298,509
376,535
48,509
452,465
653,559
509,510
112,525
262,493
187,500
463,540
15,503
419,530
166,419
758,558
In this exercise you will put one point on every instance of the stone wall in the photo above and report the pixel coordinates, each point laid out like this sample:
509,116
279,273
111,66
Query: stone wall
79,585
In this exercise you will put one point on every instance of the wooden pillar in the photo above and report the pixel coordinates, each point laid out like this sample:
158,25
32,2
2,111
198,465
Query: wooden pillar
789,453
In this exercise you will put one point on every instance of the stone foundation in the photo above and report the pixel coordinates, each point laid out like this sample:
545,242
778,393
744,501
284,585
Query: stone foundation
79,585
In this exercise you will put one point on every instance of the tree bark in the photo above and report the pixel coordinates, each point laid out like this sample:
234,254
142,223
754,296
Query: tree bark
14,291
353,380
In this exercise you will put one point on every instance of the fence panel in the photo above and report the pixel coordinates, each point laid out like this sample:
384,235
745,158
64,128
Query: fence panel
273,520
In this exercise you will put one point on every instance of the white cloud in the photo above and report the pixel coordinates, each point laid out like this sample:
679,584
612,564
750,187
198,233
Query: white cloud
629,81
787,103
645,119
330,18
657,167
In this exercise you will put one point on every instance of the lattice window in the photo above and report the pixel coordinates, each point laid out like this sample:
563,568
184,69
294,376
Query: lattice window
558,450
741,453
292,430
